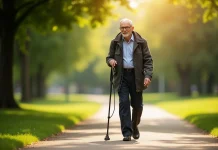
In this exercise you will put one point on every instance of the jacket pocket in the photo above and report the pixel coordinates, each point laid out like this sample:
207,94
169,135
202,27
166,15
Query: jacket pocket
117,52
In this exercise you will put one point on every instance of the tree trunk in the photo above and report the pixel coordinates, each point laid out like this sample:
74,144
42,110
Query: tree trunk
40,81
210,83
185,84
25,77
6,55
199,84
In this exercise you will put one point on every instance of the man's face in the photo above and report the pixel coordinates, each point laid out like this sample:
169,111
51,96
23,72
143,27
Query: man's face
126,29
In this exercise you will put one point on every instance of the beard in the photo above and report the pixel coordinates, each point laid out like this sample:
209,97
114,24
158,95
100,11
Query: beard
126,34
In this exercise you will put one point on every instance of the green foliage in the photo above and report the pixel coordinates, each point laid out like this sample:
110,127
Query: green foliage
42,15
60,15
41,119
210,7
63,13
63,51
200,111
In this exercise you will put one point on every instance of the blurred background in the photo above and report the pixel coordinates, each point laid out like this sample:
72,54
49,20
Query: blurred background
58,50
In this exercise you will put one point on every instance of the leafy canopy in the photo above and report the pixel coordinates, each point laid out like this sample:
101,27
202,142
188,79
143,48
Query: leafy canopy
210,7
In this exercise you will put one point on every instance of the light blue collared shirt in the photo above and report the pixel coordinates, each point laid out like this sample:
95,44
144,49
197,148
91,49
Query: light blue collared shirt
128,53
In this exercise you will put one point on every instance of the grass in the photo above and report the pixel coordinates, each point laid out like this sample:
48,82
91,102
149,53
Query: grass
41,119
201,111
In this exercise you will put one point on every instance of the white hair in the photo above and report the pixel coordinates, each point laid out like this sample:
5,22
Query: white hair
126,20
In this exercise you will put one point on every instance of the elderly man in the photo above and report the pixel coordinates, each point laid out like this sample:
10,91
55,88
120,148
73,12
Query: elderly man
132,66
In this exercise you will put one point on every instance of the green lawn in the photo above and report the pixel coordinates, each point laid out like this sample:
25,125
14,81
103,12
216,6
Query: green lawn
41,119
201,111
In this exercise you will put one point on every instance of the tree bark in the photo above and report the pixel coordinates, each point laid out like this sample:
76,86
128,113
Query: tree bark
6,55
184,76
25,76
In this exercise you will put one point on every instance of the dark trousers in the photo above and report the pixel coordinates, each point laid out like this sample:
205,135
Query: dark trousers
128,88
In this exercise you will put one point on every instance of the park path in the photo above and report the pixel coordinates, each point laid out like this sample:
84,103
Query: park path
159,131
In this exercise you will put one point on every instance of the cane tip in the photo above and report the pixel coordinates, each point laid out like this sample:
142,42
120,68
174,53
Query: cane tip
106,138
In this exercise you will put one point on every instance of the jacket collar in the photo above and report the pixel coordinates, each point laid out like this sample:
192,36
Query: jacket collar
137,37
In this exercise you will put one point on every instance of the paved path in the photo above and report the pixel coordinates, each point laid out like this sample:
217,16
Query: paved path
159,131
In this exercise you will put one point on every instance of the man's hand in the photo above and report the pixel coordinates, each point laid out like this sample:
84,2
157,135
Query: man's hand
147,81
113,63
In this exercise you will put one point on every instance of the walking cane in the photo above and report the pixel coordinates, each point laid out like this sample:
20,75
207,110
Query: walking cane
111,84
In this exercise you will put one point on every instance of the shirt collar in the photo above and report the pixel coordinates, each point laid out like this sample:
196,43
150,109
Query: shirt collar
131,39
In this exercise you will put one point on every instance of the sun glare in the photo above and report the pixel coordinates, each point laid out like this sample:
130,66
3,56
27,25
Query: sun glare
135,3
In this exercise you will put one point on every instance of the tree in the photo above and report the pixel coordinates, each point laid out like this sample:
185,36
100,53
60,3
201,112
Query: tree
57,52
14,12
210,7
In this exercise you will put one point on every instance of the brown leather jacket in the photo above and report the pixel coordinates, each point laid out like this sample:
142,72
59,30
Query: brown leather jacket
142,60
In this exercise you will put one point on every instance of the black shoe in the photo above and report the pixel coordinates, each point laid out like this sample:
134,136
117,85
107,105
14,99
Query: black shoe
127,138
136,133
